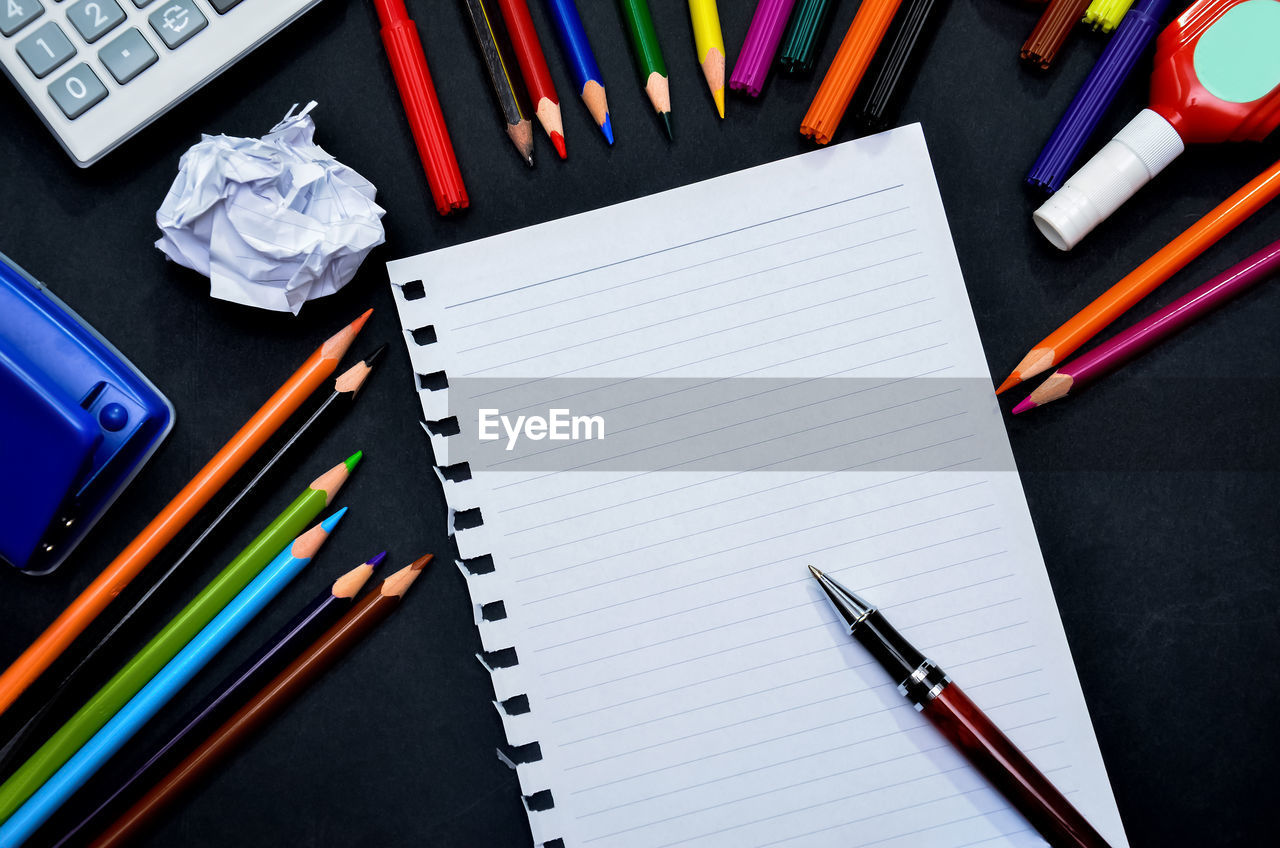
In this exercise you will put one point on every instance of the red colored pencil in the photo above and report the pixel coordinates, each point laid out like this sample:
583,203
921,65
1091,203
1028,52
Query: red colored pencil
422,106
1155,328
533,67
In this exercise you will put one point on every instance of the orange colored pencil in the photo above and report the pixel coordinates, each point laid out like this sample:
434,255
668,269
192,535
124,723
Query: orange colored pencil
1148,276
855,54
176,514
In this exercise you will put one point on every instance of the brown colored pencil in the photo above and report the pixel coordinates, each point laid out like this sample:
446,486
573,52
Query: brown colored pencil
1051,31
359,621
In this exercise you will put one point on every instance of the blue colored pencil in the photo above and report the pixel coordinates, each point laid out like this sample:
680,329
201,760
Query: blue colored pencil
170,679
582,62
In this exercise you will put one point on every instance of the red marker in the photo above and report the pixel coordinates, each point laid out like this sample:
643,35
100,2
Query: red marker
421,106
533,67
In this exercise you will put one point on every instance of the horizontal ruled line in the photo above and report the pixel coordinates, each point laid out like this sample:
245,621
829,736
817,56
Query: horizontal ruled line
675,247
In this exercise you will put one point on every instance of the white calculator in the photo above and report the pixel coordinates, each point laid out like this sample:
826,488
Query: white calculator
98,71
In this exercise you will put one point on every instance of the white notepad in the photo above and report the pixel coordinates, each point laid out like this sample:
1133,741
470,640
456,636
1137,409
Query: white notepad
787,371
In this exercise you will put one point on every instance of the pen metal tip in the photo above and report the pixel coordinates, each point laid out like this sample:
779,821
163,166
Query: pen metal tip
816,573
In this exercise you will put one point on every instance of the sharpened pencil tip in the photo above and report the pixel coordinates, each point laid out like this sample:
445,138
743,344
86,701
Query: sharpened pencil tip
815,572
718,96
376,560
421,562
332,521
352,461
1009,382
666,124
528,159
335,347
1024,405
607,128
373,358
558,140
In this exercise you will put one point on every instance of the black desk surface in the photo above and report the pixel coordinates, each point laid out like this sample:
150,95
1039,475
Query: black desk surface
1154,495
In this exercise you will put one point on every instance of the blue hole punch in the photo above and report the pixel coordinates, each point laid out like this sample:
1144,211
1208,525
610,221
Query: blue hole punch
77,422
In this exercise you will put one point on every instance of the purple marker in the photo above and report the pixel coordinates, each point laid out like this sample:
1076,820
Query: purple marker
306,626
1091,102
756,56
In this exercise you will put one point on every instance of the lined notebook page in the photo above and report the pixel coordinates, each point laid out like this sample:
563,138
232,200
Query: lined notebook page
789,373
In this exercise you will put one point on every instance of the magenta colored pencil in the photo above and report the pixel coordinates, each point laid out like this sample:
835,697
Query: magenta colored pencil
761,45
1155,328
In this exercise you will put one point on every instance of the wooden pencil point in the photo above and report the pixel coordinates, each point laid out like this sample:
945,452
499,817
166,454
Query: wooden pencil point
659,91
337,344
1054,388
597,104
331,481
713,70
521,135
1036,362
350,584
306,545
353,378
399,583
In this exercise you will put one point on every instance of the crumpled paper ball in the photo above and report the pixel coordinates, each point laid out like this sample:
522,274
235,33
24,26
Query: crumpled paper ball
272,222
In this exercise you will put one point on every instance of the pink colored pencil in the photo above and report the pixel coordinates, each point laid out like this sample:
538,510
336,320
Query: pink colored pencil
1155,328
761,45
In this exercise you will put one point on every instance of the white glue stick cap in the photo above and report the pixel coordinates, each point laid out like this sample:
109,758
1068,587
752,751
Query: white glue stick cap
1138,152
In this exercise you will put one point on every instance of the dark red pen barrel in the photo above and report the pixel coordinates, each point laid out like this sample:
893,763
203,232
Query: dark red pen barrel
426,120
968,729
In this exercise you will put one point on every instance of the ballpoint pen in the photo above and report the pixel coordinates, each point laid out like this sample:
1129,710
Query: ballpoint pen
964,725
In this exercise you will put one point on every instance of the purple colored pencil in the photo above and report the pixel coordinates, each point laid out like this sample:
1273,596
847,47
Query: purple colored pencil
1091,102
761,45
314,618
1157,327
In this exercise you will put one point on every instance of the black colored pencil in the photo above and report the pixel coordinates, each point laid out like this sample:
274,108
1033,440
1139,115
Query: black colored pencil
346,387
495,48
896,62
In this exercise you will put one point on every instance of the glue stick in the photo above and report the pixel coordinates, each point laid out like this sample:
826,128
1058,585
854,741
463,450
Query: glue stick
1216,78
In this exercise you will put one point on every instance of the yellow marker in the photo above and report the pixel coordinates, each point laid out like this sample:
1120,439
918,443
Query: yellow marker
709,42
1106,14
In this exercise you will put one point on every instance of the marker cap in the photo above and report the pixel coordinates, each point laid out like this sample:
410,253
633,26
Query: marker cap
1138,152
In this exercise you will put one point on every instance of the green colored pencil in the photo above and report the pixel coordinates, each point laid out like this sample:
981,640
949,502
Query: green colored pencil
799,49
649,61
166,644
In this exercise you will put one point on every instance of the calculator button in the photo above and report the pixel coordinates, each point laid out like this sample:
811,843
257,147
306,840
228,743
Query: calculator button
15,14
138,4
176,21
46,48
223,6
76,91
94,18
127,56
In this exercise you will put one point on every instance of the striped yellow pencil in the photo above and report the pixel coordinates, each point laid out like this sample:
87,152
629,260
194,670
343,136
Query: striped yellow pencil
709,42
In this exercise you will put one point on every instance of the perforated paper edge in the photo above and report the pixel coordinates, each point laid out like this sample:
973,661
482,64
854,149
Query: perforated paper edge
512,681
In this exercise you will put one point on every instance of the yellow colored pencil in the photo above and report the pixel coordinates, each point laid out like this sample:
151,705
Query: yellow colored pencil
709,42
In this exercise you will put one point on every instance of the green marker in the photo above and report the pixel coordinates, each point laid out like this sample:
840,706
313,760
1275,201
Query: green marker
649,61
166,644
799,49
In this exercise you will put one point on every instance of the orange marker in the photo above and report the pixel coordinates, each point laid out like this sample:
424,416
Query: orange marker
855,54
1148,276
174,517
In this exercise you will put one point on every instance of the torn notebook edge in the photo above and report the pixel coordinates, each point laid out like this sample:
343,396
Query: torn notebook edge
473,543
